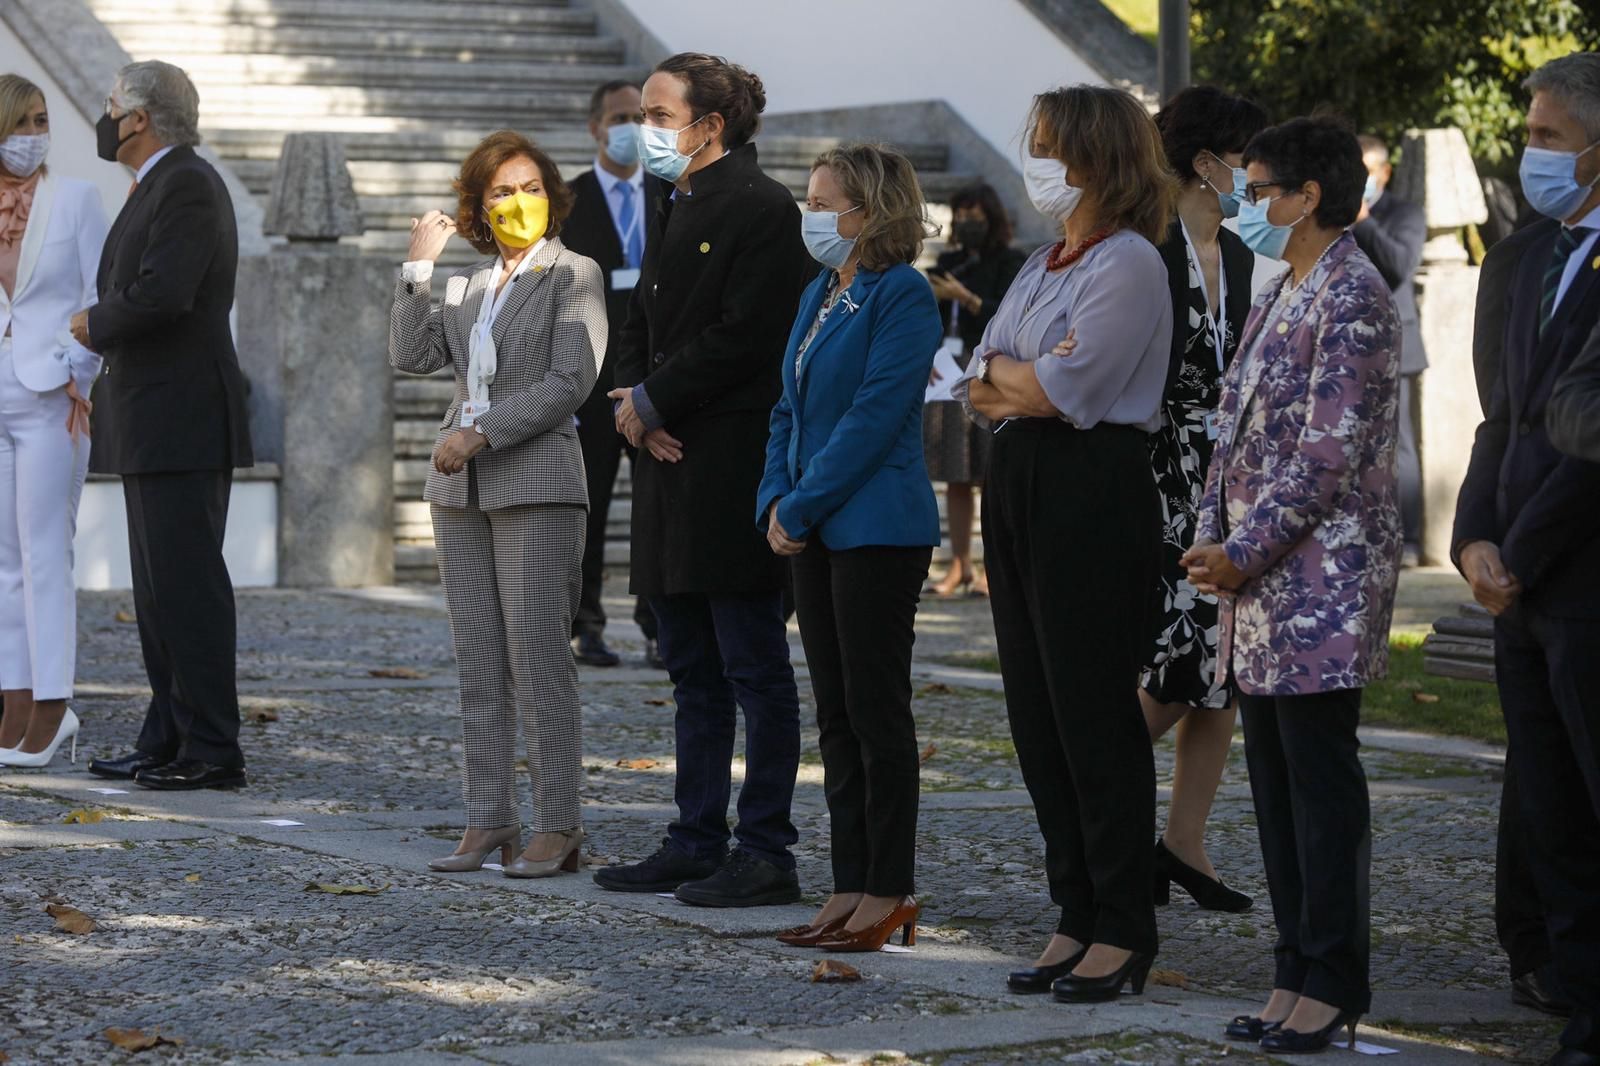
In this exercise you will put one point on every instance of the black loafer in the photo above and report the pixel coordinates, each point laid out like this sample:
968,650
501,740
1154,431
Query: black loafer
1541,989
1038,979
662,872
590,650
127,766
743,881
186,774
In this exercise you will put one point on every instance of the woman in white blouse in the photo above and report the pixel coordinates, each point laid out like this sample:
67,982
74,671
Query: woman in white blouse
51,231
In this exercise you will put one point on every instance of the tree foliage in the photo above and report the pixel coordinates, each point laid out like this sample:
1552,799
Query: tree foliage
1389,65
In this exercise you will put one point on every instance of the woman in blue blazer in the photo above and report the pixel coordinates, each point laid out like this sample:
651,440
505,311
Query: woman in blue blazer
846,496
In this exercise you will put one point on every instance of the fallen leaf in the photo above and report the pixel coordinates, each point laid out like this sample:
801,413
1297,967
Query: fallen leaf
402,673
138,1039
937,688
192,879
261,715
70,919
928,752
82,816
4,1057
125,617
637,764
1169,978
342,890
658,703
1424,697
834,970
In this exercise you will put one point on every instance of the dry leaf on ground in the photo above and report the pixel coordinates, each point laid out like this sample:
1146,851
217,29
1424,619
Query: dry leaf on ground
342,890
928,752
937,688
83,816
70,919
125,617
401,673
260,715
1424,697
637,764
1169,979
834,970
138,1039
192,878
657,702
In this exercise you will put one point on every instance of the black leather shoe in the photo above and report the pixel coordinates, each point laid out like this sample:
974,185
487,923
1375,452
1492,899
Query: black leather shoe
743,881
1571,1056
1074,989
1541,989
1293,1042
1036,979
1248,1027
662,872
652,654
190,774
1211,894
126,766
590,650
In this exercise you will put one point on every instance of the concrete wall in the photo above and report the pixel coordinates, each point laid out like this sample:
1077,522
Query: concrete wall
250,548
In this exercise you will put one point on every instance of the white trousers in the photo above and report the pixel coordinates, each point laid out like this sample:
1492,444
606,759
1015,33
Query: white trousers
42,470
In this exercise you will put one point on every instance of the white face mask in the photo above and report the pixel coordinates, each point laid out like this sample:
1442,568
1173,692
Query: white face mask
22,154
1046,181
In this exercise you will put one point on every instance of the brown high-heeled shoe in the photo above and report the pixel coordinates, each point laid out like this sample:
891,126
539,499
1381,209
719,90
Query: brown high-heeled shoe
874,936
806,936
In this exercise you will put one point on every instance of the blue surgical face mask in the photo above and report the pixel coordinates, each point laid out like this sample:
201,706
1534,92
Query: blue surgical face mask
1550,181
1370,191
820,231
1231,199
659,148
622,144
1260,234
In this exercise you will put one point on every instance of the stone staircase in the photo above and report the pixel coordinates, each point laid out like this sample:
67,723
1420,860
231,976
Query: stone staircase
411,85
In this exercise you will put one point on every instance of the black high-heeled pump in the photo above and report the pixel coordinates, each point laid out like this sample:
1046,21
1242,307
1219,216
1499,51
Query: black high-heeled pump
1291,1042
1075,989
1247,1027
1209,893
1037,979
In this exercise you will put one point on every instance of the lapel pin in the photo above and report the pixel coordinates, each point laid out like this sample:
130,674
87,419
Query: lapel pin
705,246
1596,264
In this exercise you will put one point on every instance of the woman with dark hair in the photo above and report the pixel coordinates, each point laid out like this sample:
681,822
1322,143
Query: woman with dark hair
1299,532
1071,523
969,280
524,331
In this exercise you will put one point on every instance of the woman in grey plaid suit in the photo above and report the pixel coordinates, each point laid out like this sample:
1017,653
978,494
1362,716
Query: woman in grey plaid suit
525,332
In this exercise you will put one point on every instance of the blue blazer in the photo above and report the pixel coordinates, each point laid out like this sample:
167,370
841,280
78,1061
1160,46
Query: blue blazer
845,447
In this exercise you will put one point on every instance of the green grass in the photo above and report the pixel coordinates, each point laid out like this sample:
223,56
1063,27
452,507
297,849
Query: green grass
1142,16
1464,709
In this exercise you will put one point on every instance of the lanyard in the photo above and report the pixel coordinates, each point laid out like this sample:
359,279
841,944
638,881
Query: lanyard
1219,329
482,360
626,235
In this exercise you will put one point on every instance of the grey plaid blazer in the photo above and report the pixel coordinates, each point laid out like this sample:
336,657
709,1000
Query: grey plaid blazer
549,338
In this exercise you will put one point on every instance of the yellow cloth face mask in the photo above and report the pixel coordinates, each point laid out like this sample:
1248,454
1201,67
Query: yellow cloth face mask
520,219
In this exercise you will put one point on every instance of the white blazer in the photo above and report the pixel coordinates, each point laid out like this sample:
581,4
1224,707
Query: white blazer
56,278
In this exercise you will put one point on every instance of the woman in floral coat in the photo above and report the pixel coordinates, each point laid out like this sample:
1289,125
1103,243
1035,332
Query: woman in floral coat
1300,529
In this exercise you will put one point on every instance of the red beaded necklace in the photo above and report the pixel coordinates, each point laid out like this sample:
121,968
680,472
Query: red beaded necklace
1057,261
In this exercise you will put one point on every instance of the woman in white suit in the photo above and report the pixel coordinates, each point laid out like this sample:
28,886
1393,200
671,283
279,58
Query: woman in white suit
51,232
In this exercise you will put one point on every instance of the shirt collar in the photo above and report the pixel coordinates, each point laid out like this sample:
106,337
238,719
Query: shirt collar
149,164
609,181
1590,221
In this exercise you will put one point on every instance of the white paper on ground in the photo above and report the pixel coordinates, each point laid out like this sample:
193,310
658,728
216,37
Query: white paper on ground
895,949
944,364
110,791
493,866
665,895
282,823
1364,1048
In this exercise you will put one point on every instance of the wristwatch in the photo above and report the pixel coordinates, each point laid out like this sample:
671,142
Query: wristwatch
983,368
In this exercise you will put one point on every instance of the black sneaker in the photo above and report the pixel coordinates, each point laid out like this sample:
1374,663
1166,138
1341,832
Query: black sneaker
662,872
743,881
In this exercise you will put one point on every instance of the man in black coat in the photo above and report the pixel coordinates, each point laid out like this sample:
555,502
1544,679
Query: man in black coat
1574,416
1392,232
1527,540
170,418
607,224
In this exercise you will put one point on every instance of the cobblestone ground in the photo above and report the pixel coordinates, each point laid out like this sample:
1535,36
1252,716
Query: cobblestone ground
206,929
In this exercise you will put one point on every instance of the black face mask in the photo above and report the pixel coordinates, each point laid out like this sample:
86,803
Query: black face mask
970,233
106,140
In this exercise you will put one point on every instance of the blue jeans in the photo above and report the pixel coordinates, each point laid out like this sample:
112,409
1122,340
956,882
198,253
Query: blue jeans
726,652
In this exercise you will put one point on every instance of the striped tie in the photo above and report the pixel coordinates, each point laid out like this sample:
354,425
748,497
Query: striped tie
1571,237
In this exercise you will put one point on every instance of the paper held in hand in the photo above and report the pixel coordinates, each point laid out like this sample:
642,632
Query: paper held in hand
948,370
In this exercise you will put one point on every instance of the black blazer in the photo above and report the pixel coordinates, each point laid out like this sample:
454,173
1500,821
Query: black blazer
1521,493
1238,266
989,277
706,334
172,397
1392,235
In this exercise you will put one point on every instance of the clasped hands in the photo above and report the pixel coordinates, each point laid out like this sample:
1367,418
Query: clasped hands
1493,585
778,538
660,444
1211,571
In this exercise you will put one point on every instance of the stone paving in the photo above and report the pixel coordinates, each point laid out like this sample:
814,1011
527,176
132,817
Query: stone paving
206,929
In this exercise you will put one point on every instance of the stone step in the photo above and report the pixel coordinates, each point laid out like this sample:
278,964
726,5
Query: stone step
254,105
418,16
420,398
213,71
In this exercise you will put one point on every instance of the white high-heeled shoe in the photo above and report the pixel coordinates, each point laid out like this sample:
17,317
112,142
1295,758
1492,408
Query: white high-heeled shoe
68,729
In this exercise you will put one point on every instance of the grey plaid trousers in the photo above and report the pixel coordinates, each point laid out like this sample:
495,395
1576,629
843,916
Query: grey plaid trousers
511,583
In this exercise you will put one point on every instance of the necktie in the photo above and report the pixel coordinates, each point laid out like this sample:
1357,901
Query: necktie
1571,237
632,234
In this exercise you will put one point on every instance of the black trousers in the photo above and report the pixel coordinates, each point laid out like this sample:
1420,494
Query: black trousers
1072,543
183,597
1315,823
1549,685
857,612
603,448
1518,915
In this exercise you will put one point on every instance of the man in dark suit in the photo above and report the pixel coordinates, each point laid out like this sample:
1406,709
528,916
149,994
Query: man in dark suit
1574,417
1392,232
1526,539
170,418
607,224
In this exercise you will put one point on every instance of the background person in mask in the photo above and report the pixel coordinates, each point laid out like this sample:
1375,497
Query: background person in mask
1526,541
525,332
1072,523
1299,532
607,224
970,279
51,232
846,498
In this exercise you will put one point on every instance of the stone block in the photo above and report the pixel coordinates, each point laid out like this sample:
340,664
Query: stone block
1449,394
313,197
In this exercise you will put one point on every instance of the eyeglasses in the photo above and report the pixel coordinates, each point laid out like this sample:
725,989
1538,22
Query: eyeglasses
1252,190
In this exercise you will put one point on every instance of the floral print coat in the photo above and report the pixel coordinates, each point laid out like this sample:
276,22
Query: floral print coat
1301,490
